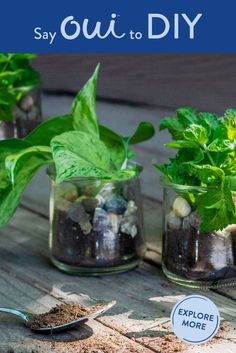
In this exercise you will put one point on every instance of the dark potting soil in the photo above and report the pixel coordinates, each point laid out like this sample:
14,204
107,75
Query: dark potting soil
199,256
60,315
71,246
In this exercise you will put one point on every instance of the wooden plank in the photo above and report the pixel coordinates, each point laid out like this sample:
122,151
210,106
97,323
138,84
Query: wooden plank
206,82
144,297
15,337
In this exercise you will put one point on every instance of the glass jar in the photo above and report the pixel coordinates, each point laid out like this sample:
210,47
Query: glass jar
26,116
189,257
96,227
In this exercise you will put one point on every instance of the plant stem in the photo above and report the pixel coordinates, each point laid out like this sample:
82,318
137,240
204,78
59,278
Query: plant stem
209,156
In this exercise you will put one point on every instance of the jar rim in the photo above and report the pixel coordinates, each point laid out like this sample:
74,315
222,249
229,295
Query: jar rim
168,184
52,173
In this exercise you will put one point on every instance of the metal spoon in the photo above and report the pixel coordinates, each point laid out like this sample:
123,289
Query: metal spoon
26,317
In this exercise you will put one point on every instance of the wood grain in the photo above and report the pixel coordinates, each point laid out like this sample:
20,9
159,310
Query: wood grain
206,82
144,297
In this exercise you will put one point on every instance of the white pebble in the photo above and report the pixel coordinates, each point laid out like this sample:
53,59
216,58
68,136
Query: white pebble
173,221
115,222
231,229
181,207
101,200
27,103
131,208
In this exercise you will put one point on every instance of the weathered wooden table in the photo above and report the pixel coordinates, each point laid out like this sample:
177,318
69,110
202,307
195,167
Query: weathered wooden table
140,320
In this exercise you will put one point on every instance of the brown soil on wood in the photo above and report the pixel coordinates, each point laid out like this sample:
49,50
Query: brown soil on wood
169,343
60,315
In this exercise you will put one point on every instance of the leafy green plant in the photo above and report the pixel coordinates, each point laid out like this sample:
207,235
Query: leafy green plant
206,157
17,78
76,144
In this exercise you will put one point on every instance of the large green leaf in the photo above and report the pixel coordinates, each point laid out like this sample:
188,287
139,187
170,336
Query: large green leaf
84,107
43,133
78,154
114,144
175,128
217,208
196,133
207,173
15,162
7,147
10,196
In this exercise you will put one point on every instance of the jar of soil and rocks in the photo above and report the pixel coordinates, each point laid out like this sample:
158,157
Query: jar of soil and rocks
190,257
96,227
26,116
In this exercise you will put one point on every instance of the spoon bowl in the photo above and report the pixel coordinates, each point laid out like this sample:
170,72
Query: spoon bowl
26,317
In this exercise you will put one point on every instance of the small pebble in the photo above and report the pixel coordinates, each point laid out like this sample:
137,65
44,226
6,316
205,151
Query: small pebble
173,221
194,220
131,208
68,191
101,220
181,207
115,222
89,203
101,200
78,215
18,113
129,228
107,191
116,204
71,195
231,229
33,113
62,204
27,103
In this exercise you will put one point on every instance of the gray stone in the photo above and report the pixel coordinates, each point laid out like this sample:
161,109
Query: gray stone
63,205
115,221
128,225
107,191
19,114
27,103
77,214
116,204
173,221
68,191
107,245
194,220
101,220
89,203
33,114
129,228
131,208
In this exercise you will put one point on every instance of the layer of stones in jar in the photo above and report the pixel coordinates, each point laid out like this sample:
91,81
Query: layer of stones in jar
182,216
107,212
214,252
26,109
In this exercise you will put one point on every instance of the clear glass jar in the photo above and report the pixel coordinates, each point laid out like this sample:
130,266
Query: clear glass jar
96,228
189,257
26,116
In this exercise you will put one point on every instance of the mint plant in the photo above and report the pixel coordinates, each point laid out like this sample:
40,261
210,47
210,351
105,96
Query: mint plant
17,78
206,157
76,144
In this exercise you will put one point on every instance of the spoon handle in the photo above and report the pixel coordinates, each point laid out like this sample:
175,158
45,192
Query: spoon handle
17,312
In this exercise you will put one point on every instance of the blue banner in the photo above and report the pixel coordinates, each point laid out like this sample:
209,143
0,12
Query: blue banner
112,26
